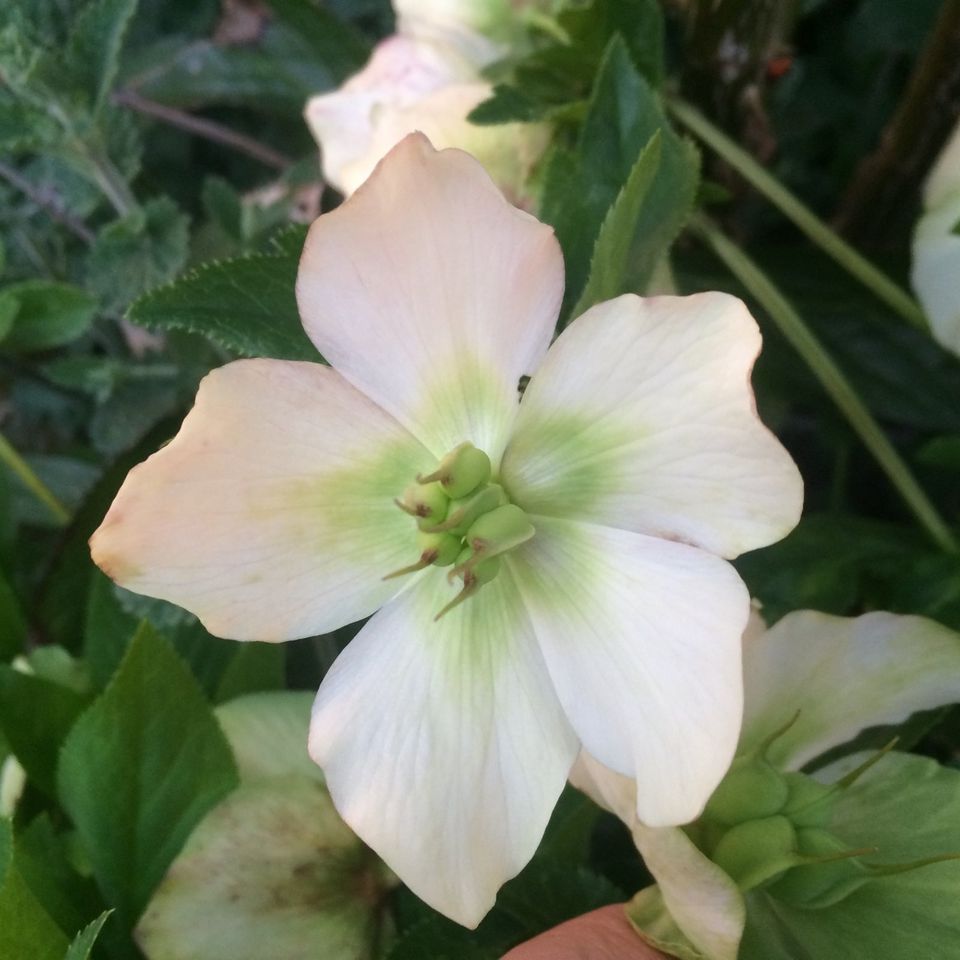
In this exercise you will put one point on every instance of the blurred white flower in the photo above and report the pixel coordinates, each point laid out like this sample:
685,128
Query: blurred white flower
427,77
936,247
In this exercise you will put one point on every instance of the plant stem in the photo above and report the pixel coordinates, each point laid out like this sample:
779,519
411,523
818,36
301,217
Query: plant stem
46,201
882,188
21,469
802,216
208,129
822,365
111,182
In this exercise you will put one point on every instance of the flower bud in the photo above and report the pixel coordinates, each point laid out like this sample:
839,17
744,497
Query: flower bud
755,852
751,790
808,803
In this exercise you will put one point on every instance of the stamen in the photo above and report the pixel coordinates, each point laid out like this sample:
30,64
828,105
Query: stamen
426,558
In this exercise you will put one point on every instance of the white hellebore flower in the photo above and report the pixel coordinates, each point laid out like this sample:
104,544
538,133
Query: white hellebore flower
427,78
936,248
585,527
812,682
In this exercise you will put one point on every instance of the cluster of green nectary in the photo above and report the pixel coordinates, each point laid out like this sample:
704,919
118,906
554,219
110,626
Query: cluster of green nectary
769,829
465,521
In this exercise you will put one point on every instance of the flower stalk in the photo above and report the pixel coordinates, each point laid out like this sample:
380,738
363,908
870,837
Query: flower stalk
822,365
802,216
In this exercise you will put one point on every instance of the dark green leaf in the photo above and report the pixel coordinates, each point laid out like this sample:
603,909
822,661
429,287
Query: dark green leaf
13,624
47,314
93,50
45,860
609,263
246,305
547,894
36,715
438,941
579,189
252,668
85,939
143,250
26,930
507,104
140,769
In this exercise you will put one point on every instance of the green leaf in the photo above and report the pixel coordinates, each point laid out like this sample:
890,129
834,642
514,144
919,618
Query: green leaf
140,251
907,807
507,104
440,942
13,624
254,667
24,128
47,314
36,715
246,305
26,929
153,747
85,939
580,188
93,50
608,265
46,860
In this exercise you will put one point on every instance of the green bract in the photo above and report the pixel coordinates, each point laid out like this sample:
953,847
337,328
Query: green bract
856,860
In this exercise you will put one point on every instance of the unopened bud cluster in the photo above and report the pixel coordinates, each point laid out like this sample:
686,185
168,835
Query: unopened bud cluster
464,521
769,829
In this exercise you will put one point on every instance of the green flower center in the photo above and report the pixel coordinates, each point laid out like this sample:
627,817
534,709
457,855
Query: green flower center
464,520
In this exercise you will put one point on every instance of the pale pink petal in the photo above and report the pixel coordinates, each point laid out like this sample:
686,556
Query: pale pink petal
400,72
443,744
642,417
433,295
270,514
642,640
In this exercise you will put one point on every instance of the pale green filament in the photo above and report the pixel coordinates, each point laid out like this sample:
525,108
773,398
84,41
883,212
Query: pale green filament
463,519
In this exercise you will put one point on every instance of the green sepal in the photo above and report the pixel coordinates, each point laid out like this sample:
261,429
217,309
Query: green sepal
818,885
757,851
751,790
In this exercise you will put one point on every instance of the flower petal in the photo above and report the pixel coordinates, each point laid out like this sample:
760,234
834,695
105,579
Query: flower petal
432,295
267,732
642,640
694,900
508,151
270,514
642,418
936,264
699,899
840,675
443,743
400,72
271,872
